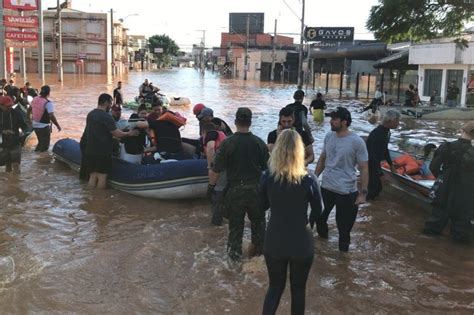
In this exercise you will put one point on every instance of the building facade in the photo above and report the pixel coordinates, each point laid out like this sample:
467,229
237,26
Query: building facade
441,62
86,44
260,55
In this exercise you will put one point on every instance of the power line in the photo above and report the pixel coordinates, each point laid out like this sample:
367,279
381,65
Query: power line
294,13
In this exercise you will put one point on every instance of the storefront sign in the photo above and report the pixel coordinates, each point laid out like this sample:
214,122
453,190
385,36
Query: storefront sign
17,44
21,36
20,21
24,5
329,34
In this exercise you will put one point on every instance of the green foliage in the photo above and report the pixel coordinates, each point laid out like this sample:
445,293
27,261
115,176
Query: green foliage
416,20
170,48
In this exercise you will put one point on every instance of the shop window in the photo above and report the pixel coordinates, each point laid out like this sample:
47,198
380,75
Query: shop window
433,78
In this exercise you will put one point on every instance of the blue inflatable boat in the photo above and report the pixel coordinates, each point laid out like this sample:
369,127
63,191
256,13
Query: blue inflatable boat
173,180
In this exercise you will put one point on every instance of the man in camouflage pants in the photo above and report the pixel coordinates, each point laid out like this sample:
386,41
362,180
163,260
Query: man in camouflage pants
243,156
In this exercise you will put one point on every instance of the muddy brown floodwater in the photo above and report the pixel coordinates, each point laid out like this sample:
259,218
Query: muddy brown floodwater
67,249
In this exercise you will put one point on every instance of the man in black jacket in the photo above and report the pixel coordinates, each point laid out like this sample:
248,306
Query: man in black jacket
453,162
10,144
377,147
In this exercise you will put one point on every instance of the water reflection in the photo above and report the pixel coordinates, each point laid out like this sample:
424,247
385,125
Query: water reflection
67,249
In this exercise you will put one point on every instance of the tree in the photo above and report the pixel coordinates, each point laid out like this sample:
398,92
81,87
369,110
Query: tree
416,20
169,46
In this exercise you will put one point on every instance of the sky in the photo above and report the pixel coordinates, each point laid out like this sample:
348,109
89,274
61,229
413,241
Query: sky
185,20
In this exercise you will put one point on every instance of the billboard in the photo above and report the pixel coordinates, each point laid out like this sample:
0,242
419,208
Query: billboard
21,36
17,44
329,34
20,21
24,5
238,23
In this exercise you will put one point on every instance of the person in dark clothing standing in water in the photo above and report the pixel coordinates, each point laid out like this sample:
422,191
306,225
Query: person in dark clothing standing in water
118,96
244,157
454,162
301,113
377,147
10,141
317,108
287,189
342,152
96,143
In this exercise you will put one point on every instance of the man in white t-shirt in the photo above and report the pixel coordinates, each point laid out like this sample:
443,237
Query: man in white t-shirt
342,152
43,115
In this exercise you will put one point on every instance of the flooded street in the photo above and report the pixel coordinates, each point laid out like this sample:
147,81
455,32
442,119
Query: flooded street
67,249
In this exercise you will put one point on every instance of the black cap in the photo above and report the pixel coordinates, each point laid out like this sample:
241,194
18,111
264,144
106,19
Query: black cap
243,114
341,113
299,94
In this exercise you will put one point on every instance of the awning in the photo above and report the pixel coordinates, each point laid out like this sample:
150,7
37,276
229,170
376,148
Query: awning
356,52
396,61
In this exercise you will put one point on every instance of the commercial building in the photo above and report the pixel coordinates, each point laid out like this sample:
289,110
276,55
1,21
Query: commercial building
441,62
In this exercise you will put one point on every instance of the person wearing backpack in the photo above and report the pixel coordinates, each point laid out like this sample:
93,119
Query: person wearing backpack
454,163
43,115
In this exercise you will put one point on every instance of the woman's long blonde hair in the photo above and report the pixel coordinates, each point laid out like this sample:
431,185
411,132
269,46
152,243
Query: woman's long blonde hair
287,159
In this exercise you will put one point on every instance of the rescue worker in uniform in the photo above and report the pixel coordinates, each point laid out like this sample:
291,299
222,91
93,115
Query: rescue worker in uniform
377,147
454,161
244,157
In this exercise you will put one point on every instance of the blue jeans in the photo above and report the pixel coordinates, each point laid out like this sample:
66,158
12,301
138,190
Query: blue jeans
452,103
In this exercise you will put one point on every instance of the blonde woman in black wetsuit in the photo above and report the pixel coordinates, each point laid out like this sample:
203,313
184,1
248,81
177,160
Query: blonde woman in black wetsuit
287,189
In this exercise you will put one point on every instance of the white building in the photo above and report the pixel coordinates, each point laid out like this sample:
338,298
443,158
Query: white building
440,62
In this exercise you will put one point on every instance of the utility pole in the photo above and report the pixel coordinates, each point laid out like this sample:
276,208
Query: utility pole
272,71
60,45
202,55
40,43
22,56
3,63
112,40
300,61
246,61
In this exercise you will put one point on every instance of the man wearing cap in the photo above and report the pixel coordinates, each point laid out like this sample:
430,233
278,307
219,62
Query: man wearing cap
206,115
243,156
10,144
43,115
453,165
342,152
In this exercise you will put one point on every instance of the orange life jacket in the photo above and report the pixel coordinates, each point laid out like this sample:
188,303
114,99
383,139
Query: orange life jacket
177,119
406,164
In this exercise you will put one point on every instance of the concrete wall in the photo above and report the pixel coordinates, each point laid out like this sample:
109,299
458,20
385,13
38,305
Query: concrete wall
441,53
